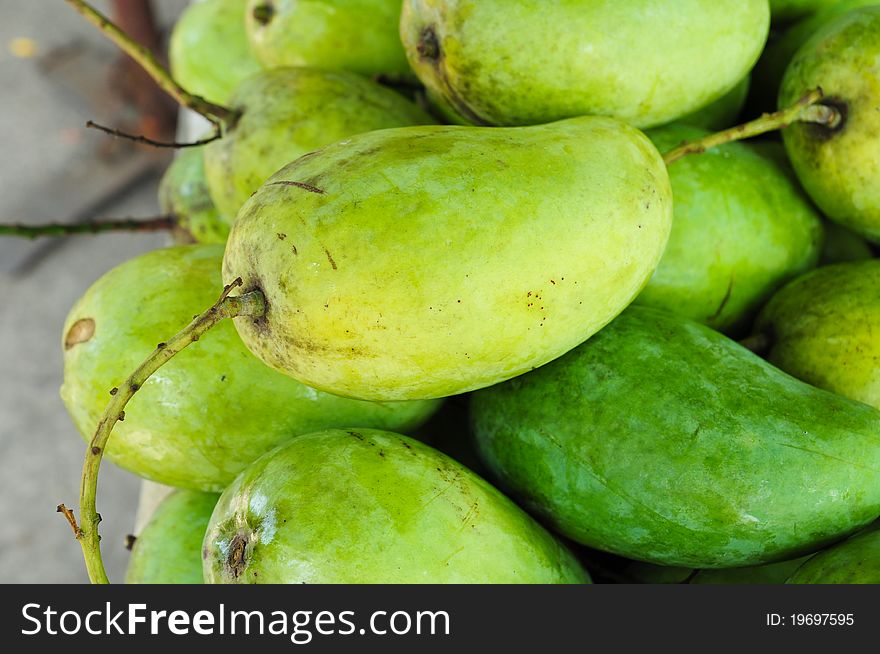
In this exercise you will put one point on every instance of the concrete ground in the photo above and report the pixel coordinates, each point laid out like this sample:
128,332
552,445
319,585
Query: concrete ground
48,172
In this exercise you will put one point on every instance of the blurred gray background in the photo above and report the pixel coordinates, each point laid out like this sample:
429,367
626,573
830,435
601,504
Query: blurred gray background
56,72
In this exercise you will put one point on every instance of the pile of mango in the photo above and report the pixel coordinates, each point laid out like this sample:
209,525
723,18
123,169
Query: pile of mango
453,251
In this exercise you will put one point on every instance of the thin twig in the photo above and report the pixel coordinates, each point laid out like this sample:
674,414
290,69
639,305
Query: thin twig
137,138
71,519
157,224
806,110
250,304
147,60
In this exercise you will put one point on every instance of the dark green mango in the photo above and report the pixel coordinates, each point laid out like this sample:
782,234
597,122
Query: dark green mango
661,440
169,549
854,561
769,573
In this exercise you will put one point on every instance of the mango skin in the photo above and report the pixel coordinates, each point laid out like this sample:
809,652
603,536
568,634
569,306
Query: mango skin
721,113
429,261
854,561
841,245
782,47
360,36
368,506
289,112
785,11
663,441
840,168
741,228
209,50
214,408
769,573
169,549
183,193
525,62
821,329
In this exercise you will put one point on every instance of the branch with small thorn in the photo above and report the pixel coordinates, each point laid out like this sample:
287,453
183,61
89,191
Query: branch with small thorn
71,519
250,304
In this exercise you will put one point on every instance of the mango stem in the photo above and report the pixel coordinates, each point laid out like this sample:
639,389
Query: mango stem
250,304
221,117
806,110
157,224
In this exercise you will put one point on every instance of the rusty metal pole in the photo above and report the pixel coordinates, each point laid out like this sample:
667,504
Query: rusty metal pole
158,113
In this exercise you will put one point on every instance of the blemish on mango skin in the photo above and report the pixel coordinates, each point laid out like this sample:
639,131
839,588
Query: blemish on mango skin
82,331
236,561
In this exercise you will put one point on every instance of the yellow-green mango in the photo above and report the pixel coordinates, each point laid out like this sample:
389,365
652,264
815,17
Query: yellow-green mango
524,62
742,227
357,35
169,549
209,50
821,328
183,194
363,506
662,440
782,46
288,112
840,166
211,410
428,261
854,561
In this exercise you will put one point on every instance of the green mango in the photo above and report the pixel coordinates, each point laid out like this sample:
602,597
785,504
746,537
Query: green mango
209,50
361,36
169,549
721,113
786,11
742,227
769,573
368,506
854,561
524,62
289,112
840,167
183,193
820,329
649,573
841,245
429,261
211,410
782,46
661,440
